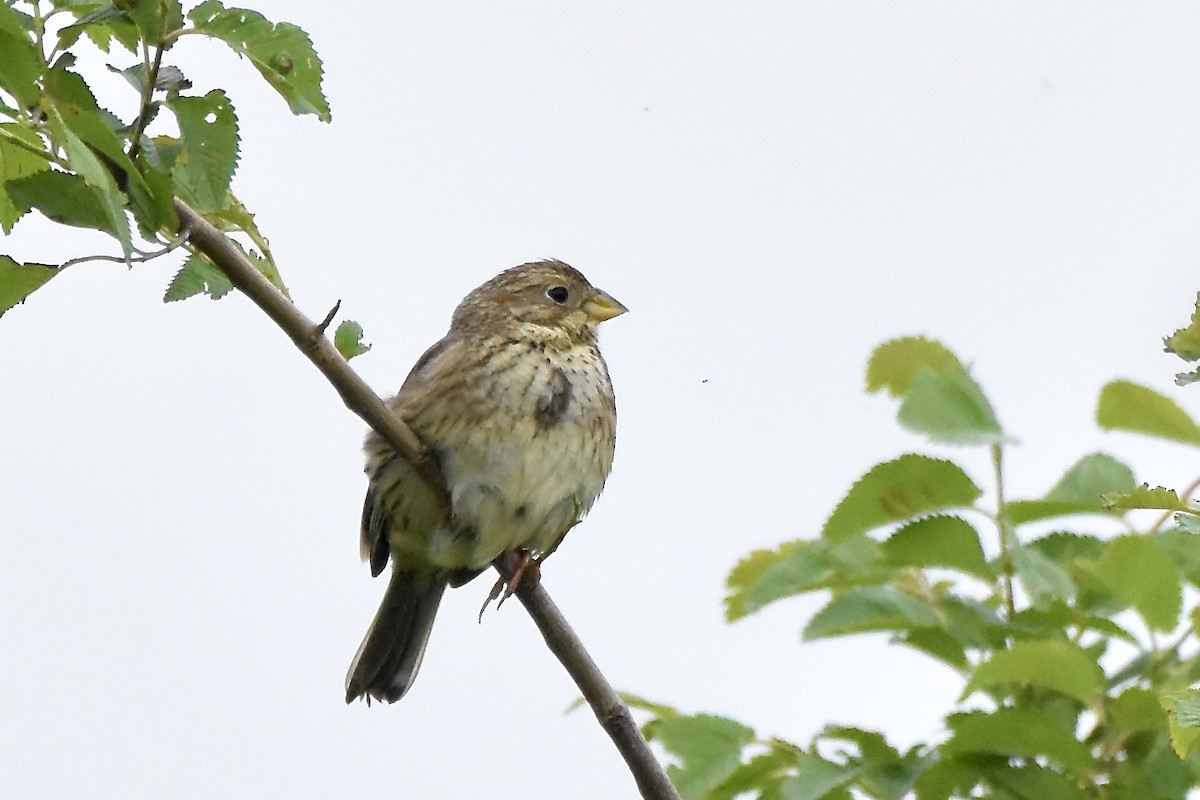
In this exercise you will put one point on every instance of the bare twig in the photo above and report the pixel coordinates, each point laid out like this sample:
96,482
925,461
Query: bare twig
143,255
608,707
308,336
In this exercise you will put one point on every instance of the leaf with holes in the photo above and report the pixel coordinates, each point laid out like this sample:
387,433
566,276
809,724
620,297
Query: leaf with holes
282,53
209,136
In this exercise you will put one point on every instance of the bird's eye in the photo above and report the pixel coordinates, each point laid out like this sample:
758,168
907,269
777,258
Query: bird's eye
558,294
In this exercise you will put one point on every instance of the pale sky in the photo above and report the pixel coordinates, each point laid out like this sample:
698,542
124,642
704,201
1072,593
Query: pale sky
772,188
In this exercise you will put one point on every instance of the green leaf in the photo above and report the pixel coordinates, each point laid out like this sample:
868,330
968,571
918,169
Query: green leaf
1017,732
283,53
796,567
817,779
870,608
1044,580
659,710
1128,406
1136,710
709,748
16,162
1079,491
949,407
21,67
83,161
198,275
209,135
1183,716
63,197
938,644
1185,342
18,281
156,19
899,489
1142,574
938,541
759,774
1182,546
1143,497
1032,782
895,365
1090,477
348,340
1054,665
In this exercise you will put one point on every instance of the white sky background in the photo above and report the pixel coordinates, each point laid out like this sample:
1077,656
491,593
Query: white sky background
772,188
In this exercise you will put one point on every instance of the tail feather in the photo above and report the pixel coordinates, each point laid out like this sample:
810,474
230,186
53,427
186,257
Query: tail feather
388,659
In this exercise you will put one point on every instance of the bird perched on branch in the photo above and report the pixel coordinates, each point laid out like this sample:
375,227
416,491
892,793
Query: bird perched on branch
516,403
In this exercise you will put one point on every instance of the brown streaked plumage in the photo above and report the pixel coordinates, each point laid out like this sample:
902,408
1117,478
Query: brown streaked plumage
516,402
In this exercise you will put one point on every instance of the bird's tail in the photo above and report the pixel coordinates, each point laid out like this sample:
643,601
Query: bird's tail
388,659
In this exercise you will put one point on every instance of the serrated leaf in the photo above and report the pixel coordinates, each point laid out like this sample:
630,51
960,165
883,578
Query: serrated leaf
1141,573
1032,782
282,53
1182,546
869,608
198,275
709,748
16,162
63,197
1136,710
950,408
1143,497
1059,666
1185,342
798,567
894,365
899,489
1183,716
938,541
937,644
348,340
83,161
745,574
763,772
818,779
1017,732
1079,491
21,67
1045,581
155,19
15,22
1128,406
18,281
209,136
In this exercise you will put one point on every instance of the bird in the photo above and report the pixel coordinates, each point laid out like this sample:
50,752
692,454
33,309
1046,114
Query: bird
516,405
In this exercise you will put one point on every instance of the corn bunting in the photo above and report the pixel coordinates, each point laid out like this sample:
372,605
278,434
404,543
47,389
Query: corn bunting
516,403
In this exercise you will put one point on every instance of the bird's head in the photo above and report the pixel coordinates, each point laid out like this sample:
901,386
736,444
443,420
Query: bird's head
547,300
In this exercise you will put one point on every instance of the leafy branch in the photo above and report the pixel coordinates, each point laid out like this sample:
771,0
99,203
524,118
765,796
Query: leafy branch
82,165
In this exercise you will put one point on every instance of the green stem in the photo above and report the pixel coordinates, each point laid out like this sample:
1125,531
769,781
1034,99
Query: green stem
1003,527
152,67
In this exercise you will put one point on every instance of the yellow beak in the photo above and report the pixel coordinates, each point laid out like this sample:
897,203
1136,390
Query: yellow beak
601,306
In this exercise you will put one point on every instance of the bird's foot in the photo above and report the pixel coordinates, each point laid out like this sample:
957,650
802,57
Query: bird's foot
527,570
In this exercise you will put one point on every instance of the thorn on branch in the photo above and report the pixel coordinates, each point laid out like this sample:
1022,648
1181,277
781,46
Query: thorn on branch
321,327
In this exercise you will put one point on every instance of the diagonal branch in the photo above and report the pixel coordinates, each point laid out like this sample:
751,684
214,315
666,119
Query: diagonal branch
309,338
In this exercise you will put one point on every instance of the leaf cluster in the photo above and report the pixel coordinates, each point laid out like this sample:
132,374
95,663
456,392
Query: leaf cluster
1064,615
120,171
